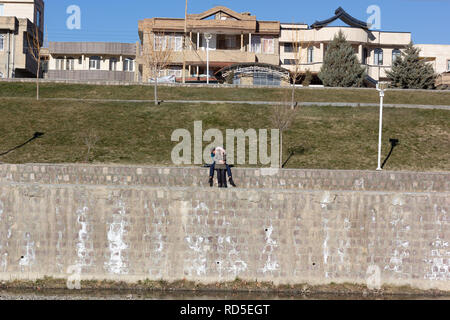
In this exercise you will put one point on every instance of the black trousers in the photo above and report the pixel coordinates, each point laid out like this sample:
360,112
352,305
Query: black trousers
222,178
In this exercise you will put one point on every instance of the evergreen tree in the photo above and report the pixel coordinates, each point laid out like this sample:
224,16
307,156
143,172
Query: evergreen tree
341,67
410,72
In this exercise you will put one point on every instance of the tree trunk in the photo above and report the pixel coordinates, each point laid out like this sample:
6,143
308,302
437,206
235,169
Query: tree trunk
37,81
156,89
293,95
281,149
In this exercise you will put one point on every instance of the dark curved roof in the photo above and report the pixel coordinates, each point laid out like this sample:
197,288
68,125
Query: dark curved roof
251,64
345,17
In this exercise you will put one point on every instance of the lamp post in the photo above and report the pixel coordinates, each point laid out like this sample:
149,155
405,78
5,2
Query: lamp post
380,88
208,37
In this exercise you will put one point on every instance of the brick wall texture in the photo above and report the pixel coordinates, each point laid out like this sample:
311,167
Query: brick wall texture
292,226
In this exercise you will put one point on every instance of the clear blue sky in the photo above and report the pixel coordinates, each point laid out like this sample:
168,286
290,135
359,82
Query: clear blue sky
114,20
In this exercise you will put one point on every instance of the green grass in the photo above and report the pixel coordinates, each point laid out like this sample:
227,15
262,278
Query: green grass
334,137
52,90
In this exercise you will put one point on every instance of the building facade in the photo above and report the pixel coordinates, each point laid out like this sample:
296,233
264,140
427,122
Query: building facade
304,47
241,43
439,57
235,38
86,61
21,24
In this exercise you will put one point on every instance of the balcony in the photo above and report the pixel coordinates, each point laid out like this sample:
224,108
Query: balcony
198,57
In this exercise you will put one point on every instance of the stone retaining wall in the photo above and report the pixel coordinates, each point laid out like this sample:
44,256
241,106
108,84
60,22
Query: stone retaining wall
127,230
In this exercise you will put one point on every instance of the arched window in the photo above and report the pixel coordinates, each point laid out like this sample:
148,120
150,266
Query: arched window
378,57
310,54
396,53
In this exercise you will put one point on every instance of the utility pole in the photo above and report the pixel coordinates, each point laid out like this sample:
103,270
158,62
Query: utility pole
184,42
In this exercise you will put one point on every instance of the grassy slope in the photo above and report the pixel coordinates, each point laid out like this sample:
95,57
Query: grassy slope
49,90
335,138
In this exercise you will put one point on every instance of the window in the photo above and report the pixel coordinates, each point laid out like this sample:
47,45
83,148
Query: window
94,63
70,63
448,65
178,43
168,42
378,57
113,64
365,56
38,18
266,79
2,42
263,45
288,47
310,54
395,55
230,42
256,44
80,60
289,61
59,63
268,45
128,64
2,11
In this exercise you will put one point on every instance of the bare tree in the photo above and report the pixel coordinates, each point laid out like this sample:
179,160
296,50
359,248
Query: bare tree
282,117
90,139
157,53
296,72
34,49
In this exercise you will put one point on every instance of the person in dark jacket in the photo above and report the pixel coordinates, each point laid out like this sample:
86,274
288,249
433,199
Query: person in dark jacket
219,156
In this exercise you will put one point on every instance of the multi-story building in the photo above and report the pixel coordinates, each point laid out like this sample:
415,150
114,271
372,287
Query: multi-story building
236,38
21,21
376,50
264,52
108,61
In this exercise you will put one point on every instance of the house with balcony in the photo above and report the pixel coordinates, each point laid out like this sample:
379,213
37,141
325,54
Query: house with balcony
235,38
304,46
91,61
21,28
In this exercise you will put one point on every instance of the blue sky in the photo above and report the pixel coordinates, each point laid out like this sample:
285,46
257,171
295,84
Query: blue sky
113,20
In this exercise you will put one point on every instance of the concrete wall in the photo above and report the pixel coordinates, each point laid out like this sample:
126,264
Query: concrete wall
111,226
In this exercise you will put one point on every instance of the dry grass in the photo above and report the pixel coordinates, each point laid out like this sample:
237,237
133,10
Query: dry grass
333,138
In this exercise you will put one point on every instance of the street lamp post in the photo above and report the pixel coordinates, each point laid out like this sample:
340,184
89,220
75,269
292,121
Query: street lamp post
208,37
381,88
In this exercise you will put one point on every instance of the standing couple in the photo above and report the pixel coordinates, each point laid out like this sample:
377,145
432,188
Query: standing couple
219,156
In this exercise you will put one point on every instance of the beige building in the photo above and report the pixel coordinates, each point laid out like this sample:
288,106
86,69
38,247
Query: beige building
91,61
18,22
307,44
439,57
235,38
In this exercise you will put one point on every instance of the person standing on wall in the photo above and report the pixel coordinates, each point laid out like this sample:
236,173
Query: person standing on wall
219,156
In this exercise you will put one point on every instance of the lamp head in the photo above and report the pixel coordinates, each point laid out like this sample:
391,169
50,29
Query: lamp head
208,36
394,142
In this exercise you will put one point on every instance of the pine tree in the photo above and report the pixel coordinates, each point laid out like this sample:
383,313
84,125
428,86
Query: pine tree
410,72
341,67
